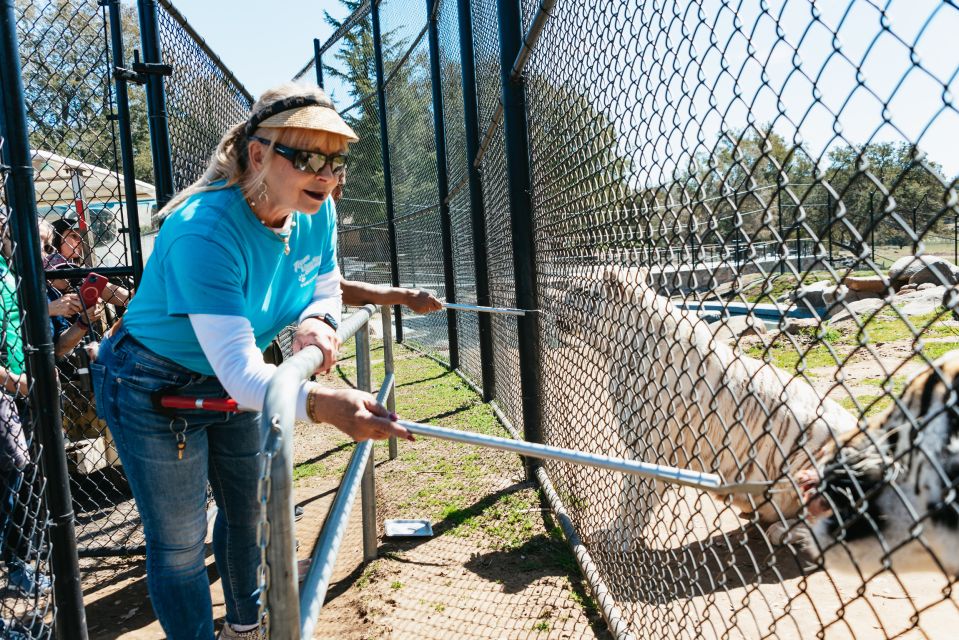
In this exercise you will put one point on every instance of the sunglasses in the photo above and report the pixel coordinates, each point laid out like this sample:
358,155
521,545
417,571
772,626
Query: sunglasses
308,161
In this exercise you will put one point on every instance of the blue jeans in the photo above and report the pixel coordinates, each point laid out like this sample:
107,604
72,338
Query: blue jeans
222,449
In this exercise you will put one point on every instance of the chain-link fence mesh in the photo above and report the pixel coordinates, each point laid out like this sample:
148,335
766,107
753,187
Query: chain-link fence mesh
718,197
746,236
70,102
68,76
203,98
26,604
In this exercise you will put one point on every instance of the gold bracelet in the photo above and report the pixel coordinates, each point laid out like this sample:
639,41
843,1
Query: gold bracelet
311,398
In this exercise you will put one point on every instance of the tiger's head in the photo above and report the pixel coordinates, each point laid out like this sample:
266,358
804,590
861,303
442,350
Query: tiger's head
887,494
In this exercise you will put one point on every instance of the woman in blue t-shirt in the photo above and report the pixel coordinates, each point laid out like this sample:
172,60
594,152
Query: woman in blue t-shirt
245,251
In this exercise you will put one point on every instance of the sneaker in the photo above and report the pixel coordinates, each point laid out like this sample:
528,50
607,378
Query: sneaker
24,578
229,633
297,512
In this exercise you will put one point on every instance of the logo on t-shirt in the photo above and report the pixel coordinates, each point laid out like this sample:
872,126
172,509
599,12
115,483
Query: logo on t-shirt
306,268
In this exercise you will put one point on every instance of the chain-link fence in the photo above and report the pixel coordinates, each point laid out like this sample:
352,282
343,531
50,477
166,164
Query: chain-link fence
68,64
26,603
94,165
744,224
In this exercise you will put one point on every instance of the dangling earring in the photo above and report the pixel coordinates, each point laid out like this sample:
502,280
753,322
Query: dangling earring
261,195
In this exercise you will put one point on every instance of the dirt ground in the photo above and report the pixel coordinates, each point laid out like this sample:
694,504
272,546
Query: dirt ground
496,566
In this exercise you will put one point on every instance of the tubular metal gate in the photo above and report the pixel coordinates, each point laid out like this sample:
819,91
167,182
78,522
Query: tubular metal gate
736,226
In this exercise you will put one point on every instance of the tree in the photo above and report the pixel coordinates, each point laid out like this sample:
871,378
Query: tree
888,188
68,82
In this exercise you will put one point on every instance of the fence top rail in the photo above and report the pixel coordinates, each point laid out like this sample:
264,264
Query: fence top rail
182,21
345,26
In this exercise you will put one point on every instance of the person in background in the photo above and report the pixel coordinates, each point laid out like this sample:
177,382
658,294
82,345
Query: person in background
69,321
357,293
15,525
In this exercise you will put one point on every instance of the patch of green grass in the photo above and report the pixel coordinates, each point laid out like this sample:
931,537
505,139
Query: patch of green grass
541,625
439,607
396,585
933,350
889,327
898,383
783,354
370,574
509,522
307,470
872,404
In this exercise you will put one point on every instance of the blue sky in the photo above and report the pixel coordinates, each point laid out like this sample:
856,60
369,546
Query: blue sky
262,43
268,43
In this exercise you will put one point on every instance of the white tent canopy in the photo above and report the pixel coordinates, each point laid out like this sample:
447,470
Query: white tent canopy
54,177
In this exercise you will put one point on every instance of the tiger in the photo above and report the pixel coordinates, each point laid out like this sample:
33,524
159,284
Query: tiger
886,494
684,398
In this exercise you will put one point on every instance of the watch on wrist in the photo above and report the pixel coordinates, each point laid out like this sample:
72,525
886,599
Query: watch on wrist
327,318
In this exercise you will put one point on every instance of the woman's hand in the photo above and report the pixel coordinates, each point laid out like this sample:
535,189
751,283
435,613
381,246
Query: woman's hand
314,331
355,413
421,301
66,305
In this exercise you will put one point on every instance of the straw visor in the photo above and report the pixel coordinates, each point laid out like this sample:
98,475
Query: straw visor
315,116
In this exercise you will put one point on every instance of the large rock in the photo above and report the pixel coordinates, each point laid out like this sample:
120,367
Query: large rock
818,294
921,269
734,326
825,294
918,303
871,284
861,309
798,325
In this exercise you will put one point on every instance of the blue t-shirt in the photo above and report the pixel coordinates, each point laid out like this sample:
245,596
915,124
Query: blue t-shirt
214,256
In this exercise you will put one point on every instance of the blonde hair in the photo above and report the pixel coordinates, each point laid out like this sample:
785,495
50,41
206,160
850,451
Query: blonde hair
230,162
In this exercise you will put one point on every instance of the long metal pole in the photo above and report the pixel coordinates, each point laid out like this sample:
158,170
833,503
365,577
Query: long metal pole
70,618
156,104
506,311
364,381
385,153
389,368
521,216
442,183
318,58
477,206
672,475
126,145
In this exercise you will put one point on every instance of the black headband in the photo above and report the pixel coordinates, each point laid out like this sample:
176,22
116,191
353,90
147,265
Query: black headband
286,104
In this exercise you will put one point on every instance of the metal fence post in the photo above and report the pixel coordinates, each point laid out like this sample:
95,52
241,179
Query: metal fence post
385,152
442,182
318,60
364,381
126,143
477,207
521,215
389,367
44,396
156,103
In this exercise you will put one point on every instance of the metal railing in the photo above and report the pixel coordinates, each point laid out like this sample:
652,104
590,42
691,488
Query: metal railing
290,611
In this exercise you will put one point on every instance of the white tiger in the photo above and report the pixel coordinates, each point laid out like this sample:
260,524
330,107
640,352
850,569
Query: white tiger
683,398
